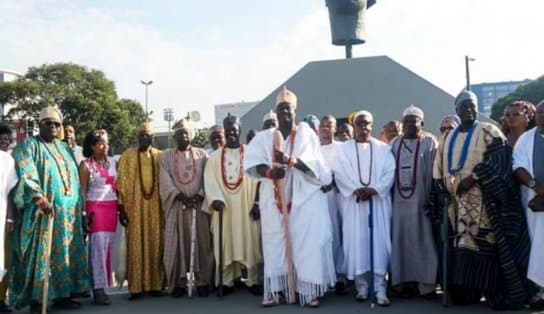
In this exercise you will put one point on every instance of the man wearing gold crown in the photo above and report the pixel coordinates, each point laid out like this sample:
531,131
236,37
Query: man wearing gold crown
295,164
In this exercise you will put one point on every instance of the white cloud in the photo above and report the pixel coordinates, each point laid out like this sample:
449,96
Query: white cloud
430,37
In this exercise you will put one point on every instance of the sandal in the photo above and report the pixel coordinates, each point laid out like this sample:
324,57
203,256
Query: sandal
313,304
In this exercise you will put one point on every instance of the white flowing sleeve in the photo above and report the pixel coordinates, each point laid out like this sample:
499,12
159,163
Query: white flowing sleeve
343,172
521,156
386,177
258,152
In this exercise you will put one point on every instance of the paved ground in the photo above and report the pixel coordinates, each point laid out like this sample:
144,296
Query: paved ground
242,302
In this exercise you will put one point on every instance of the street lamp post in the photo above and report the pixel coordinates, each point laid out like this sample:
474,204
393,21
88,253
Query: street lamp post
169,117
146,86
467,71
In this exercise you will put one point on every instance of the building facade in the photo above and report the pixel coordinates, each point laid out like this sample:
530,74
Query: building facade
488,93
236,109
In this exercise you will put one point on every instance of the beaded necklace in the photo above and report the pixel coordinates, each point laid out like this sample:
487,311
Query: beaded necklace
412,187
365,184
66,182
235,185
464,151
176,170
147,195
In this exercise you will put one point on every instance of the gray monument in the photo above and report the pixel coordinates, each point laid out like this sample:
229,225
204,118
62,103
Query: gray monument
347,18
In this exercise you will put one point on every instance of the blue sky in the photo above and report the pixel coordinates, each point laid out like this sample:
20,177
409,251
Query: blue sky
201,53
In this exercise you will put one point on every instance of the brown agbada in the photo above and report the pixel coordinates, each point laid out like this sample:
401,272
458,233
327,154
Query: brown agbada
176,177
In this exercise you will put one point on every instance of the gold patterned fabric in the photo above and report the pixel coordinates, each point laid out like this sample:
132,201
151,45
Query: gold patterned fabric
145,270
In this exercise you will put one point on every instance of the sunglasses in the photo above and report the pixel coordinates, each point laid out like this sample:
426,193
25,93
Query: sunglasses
52,123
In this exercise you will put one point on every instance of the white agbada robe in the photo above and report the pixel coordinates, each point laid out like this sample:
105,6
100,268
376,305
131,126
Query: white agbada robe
523,158
8,179
330,153
309,220
355,229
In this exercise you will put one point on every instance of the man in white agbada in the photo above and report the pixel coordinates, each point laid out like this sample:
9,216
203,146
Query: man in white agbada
364,170
330,150
528,165
301,165
8,179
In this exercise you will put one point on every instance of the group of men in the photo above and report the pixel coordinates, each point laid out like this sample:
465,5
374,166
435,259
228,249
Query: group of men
315,212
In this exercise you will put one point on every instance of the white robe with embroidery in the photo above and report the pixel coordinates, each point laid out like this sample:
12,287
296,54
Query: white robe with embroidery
309,220
330,153
355,228
523,158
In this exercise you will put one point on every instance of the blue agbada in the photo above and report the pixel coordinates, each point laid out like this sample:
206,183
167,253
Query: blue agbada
47,170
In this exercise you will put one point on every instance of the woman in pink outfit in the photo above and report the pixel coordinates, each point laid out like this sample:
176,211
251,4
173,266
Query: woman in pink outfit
97,174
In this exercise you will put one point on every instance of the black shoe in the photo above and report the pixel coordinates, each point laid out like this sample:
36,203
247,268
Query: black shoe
178,292
538,305
430,296
134,296
226,290
156,293
35,308
203,291
4,308
339,288
256,290
66,304
80,295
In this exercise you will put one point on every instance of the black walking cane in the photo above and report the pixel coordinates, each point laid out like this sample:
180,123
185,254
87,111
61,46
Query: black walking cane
371,230
221,252
446,200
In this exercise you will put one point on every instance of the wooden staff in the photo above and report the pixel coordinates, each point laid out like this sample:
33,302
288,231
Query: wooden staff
191,275
221,252
45,294
280,188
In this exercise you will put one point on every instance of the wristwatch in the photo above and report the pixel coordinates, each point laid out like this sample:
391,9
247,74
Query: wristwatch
474,176
531,184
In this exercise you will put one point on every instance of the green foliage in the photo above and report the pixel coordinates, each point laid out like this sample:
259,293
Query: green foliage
532,91
201,138
85,96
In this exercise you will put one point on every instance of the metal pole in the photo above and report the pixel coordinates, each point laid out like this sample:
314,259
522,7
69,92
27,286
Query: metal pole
371,231
467,71
348,51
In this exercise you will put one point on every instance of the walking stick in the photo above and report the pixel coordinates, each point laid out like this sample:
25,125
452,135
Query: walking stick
280,188
221,252
445,245
45,295
191,275
371,230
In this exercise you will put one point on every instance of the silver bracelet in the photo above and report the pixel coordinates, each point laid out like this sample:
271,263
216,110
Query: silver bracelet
10,221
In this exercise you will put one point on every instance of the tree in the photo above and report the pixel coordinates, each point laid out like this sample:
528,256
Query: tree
201,138
532,91
85,97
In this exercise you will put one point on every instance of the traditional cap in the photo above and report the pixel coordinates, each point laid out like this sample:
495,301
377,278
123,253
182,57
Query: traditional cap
51,113
351,116
312,120
466,95
181,124
286,96
146,127
230,119
271,115
217,128
362,113
413,111
452,118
